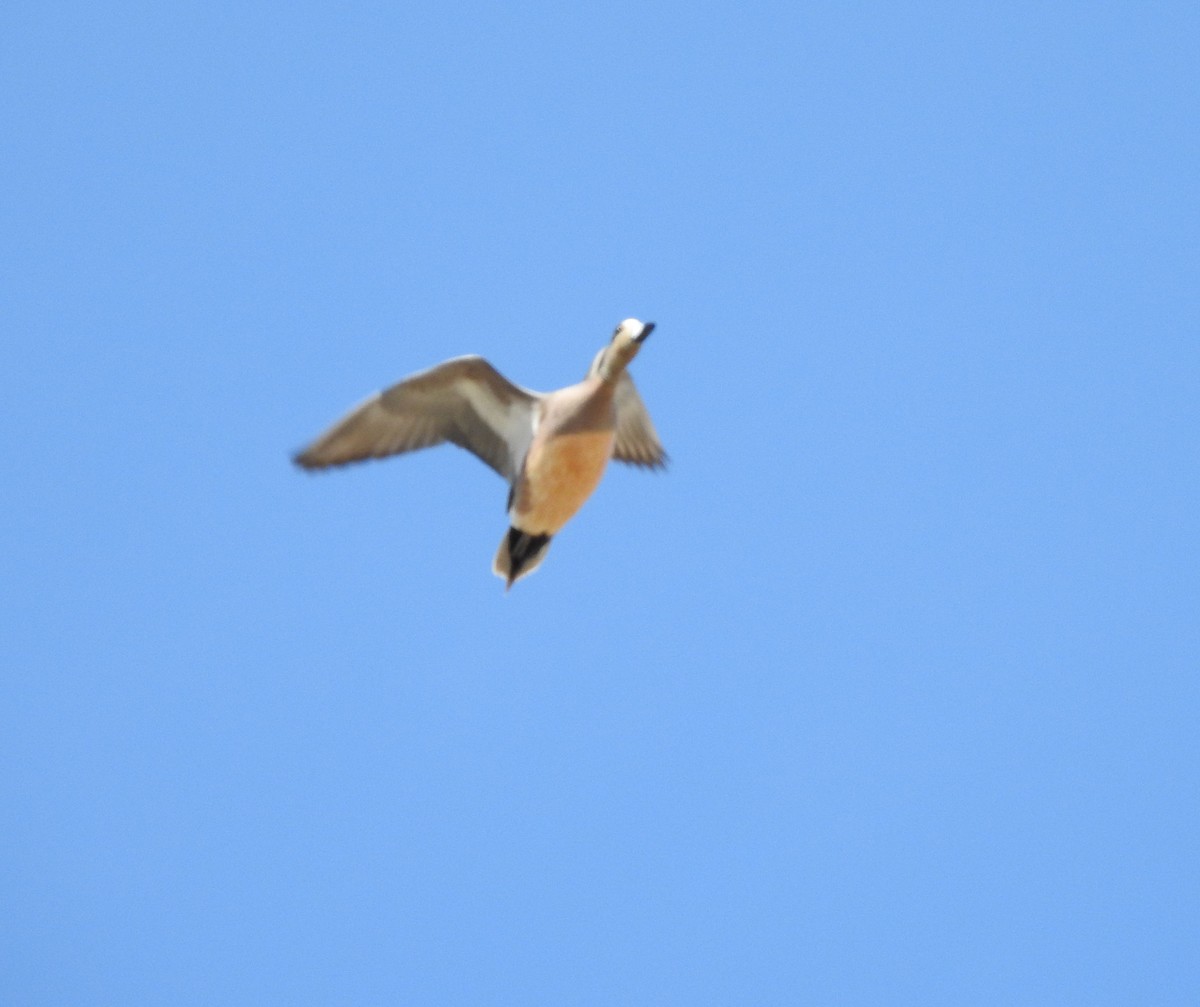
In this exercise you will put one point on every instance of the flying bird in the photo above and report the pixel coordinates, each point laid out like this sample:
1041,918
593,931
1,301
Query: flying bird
551,447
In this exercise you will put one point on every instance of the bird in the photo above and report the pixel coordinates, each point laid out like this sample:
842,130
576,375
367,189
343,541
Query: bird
551,447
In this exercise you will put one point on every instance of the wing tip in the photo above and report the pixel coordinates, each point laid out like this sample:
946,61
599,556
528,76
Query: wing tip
310,460
653,463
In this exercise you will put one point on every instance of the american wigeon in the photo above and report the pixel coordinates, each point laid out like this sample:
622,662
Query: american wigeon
551,447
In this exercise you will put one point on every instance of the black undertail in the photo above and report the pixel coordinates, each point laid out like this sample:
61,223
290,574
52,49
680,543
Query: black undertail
522,549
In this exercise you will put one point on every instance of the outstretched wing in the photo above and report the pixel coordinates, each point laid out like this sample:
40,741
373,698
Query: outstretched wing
465,401
637,441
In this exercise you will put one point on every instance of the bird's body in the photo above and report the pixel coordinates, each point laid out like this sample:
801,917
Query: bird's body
552,448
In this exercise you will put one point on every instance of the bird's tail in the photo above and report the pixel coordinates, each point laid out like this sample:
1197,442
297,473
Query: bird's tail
520,553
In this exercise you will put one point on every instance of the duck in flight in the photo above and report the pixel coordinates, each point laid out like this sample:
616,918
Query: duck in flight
551,447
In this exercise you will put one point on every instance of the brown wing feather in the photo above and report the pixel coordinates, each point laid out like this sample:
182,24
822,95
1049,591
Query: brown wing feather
465,401
637,441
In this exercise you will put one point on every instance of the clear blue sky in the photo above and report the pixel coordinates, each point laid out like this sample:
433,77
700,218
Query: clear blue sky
886,693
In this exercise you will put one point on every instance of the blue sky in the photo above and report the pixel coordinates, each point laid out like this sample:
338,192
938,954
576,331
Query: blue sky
886,693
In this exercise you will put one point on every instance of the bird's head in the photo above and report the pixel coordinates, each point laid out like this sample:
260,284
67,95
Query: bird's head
622,348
